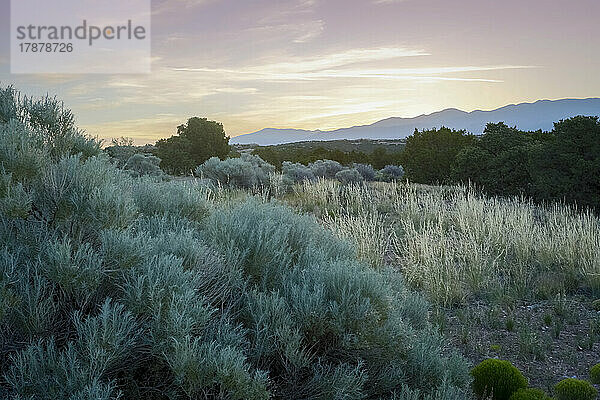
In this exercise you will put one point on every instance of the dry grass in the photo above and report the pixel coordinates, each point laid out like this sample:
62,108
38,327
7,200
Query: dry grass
455,244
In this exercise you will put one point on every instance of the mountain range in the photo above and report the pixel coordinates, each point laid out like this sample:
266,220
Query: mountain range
525,116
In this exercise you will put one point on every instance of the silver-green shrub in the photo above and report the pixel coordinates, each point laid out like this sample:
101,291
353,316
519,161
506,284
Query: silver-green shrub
246,172
347,176
175,199
143,164
119,287
325,168
296,172
308,298
366,171
390,173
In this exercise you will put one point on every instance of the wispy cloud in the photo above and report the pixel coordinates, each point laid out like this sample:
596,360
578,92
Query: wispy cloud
310,31
312,64
236,90
338,65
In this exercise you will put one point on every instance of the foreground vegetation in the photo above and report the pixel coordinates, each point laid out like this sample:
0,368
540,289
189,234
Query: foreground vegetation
114,286
316,282
506,278
457,245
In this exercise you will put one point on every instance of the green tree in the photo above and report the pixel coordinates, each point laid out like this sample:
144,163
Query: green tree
499,160
196,141
429,154
567,167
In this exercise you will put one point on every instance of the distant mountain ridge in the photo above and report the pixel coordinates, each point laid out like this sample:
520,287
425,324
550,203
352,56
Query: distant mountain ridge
526,116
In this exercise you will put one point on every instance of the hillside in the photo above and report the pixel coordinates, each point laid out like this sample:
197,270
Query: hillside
360,145
525,116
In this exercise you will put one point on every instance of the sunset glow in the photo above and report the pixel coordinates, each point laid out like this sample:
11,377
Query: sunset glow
316,64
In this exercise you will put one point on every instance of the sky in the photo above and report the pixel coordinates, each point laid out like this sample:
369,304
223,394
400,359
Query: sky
326,64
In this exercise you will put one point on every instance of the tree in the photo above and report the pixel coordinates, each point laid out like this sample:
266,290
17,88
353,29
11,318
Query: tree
429,154
568,166
498,161
196,141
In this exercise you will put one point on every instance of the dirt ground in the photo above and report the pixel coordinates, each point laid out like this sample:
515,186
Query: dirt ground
548,341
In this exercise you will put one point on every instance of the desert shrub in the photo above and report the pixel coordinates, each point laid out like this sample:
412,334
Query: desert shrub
120,287
497,379
142,164
347,176
82,197
42,371
365,170
325,168
529,394
120,150
596,305
43,126
595,374
308,298
248,171
175,199
296,172
15,201
574,389
390,173
444,392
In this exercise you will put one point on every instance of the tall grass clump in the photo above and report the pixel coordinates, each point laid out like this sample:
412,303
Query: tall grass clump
113,286
455,244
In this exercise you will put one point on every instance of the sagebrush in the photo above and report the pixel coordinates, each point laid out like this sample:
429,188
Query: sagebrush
114,286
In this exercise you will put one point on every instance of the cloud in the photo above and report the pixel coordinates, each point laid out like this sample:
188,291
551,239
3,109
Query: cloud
236,90
285,10
297,32
311,64
342,65
312,30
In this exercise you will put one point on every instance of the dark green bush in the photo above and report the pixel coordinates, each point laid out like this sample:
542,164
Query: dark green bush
595,374
497,378
195,142
529,394
574,389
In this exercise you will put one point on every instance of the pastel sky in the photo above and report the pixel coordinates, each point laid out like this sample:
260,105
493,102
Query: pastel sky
322,64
